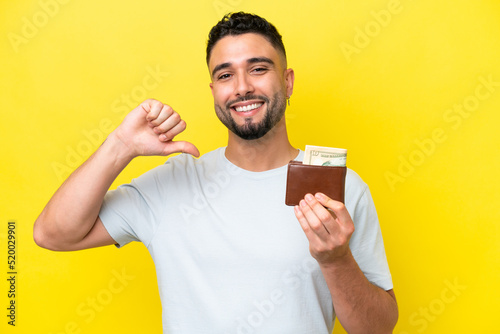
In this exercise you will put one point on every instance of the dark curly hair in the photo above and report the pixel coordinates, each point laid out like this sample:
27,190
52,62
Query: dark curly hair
233,24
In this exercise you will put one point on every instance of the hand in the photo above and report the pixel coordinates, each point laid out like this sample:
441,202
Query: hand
150,128
327,229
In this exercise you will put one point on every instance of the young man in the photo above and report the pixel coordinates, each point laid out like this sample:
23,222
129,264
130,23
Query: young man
230,256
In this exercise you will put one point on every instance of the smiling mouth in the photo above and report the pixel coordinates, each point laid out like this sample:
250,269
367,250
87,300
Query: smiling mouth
247,108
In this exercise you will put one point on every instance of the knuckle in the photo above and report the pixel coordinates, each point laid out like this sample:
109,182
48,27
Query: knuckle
154,121
324,215
350,229
172,133
317,249
175,117
178,127
167,135
337,206
155,105
340,239
167,110
343,240
159,130
316,226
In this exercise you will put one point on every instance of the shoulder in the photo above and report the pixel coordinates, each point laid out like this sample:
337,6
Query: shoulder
355,187
176,169
358,197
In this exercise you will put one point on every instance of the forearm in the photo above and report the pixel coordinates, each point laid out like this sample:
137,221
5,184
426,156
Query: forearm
360,306
72,211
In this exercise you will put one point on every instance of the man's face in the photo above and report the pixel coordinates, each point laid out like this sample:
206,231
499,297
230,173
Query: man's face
250,84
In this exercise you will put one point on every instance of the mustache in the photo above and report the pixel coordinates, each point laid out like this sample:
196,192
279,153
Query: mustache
247,98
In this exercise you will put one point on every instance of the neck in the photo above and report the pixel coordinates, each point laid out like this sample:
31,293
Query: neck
271,151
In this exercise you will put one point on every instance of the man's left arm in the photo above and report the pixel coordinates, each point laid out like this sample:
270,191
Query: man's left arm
360,306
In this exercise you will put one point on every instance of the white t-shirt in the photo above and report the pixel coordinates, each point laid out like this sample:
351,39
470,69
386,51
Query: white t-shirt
230,256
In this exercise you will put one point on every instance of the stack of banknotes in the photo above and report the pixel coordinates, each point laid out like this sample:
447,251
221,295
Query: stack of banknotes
324,156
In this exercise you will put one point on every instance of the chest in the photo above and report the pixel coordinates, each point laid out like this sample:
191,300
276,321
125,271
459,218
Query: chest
230,224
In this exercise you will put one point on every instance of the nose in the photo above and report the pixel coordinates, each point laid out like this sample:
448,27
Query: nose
243,85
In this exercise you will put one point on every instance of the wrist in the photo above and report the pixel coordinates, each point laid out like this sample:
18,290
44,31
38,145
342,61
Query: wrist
340,261
116,148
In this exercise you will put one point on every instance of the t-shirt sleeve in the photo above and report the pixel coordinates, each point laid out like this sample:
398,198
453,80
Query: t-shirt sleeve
132,211
367,245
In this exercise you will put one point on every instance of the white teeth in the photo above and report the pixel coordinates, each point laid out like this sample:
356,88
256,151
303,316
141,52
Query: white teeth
249,107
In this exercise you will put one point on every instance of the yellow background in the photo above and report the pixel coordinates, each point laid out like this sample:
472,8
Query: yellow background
381,85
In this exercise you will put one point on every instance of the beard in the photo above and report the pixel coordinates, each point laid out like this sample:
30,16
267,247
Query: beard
250,130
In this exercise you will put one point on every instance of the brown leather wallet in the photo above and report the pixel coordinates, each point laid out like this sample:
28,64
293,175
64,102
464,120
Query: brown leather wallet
303,179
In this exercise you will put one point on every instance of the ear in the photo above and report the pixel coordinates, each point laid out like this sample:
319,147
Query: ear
289,80
212,88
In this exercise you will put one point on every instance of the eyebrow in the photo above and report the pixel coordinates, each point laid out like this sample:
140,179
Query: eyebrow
249,61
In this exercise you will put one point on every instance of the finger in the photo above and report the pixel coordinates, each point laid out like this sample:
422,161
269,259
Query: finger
169,124
182,147
165,112
172,132
315,223
338,208
326,216
311,236
153,108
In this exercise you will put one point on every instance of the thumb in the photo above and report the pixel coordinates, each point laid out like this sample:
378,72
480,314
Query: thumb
338,208
182,147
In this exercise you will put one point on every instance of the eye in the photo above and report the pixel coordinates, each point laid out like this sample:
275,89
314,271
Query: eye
223,76
259,70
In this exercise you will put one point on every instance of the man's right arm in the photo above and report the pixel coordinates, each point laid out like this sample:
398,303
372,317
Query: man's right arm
70,221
